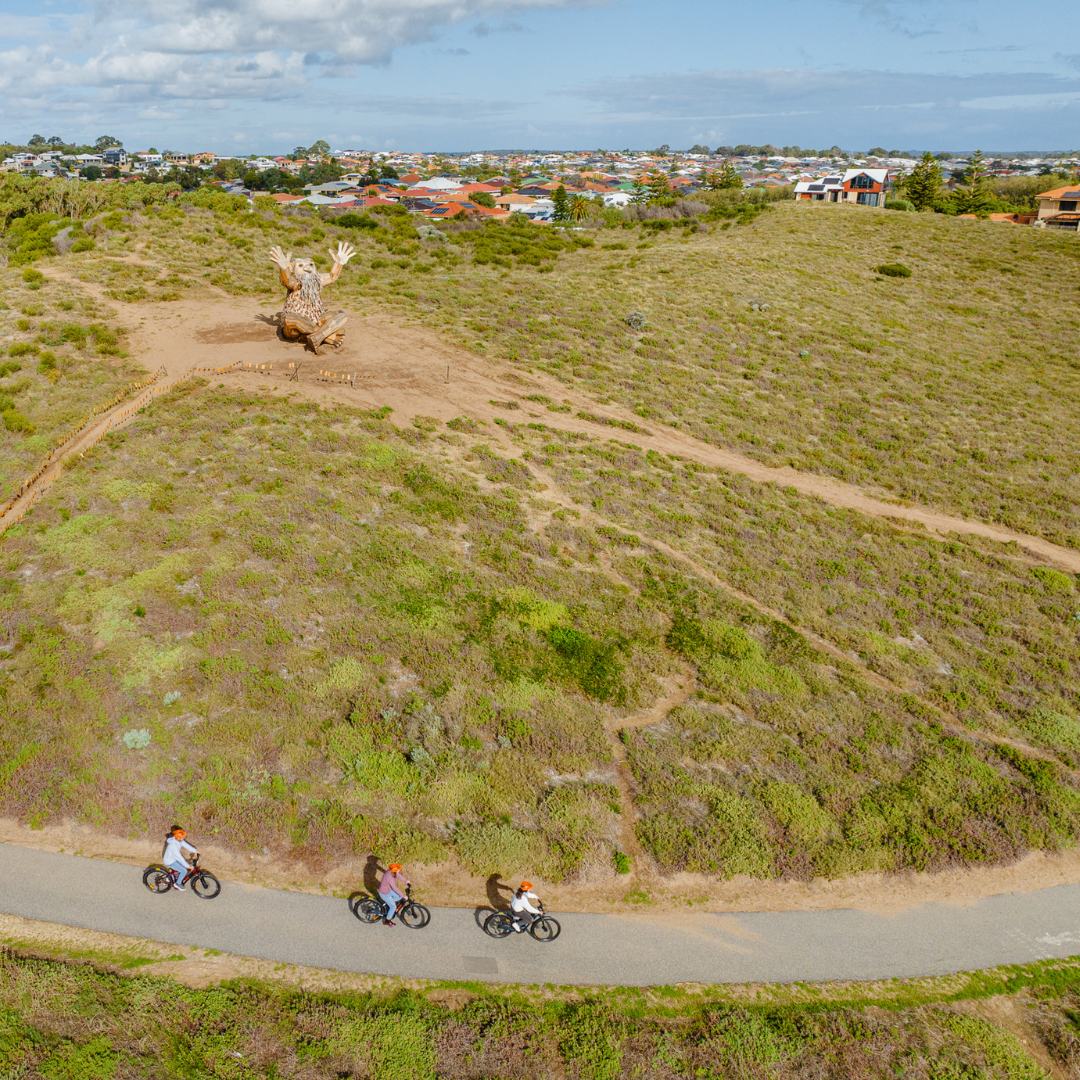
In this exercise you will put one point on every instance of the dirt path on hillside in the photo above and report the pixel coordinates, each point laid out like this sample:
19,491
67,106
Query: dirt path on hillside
418,374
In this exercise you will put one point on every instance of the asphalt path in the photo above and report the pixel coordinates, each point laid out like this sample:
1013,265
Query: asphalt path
320,931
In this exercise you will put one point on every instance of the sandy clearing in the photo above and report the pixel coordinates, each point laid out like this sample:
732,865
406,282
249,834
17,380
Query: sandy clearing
418,374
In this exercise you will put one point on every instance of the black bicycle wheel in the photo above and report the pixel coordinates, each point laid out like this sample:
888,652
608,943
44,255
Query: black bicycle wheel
415,916
545,928
205,885
156,879
498,924
368,910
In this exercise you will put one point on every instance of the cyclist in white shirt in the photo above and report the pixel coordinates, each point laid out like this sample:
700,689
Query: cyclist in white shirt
173,855
521,906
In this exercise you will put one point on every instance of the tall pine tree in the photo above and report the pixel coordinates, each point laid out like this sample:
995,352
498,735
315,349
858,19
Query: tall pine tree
923,186
659,188
562,204
728,177
973,196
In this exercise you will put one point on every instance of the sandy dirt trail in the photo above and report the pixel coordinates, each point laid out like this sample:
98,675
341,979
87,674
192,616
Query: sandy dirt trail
416,373
409,368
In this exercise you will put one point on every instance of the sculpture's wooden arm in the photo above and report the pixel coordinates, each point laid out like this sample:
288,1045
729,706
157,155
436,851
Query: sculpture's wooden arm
343,254
284,264
288,279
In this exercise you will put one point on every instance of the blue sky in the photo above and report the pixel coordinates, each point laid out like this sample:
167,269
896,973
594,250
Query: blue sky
267,75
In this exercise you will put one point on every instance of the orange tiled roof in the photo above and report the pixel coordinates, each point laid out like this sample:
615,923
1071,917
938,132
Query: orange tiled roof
1061,192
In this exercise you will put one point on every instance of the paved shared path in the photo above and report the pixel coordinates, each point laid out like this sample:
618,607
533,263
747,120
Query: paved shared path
319,931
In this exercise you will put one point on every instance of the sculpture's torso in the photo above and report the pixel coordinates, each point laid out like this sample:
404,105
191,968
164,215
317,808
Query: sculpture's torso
307,303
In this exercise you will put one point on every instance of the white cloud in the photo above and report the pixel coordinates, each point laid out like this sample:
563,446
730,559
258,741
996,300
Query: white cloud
347,31
151,53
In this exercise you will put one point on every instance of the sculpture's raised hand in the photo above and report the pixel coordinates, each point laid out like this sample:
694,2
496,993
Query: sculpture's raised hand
279,258
343,254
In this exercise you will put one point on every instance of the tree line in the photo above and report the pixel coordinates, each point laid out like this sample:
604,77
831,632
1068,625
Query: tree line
976,190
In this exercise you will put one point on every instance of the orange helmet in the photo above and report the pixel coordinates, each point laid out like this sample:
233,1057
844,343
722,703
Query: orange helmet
395,868
179,833
526,886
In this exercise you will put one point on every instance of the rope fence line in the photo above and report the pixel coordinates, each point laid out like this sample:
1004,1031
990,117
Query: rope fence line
70,434
30,490
36,483
331,376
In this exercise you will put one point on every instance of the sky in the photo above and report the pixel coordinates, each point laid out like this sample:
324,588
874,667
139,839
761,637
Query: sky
238,76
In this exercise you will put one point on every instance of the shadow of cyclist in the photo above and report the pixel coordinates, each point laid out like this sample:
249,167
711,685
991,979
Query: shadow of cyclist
496,900
495,891
372,875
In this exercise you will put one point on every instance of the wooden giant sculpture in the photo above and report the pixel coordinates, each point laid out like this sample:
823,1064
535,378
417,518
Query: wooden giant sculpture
304,315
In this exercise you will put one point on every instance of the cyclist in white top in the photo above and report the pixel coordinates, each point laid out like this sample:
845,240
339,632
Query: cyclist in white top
521,906
173,855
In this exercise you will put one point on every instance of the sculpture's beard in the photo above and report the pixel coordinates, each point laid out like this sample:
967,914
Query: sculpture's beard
311,287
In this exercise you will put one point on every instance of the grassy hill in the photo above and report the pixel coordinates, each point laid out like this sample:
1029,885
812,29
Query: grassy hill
321,632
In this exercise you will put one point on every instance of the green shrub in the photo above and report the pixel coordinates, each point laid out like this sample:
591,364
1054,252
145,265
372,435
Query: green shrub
806,822
589,663
1053,729
493,847
106,340
23,348
1054,580
384,770
899,204
590,1038
15,421
898,270
397,1044
1003,1050
34,279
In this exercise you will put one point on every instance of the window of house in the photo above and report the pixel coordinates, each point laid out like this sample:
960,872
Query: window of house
862,181
867,198
1068,205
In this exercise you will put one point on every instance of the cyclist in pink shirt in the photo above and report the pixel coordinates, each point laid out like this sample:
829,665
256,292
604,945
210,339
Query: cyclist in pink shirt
392,892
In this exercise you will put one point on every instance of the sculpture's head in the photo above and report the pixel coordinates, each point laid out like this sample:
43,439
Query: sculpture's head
303,266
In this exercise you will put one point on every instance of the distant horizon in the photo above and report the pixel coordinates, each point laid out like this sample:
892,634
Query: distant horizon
387,73
908,153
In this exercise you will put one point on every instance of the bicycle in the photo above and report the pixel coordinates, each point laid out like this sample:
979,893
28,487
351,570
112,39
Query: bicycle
544,928
159,878
371,909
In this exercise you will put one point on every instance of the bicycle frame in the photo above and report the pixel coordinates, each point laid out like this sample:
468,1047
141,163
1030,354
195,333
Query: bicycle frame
188,876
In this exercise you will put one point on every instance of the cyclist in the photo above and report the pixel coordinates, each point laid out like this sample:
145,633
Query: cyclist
390,891
173,855
521,906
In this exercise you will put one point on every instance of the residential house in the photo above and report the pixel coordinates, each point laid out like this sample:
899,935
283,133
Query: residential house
866,187
437,183
823,189
513,202
1060,208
